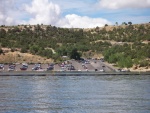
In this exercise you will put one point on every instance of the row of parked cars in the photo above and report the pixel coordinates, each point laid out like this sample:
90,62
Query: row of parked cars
11,67
24,66
67,66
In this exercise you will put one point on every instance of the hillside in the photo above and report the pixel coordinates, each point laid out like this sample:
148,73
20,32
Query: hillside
17,57
125,45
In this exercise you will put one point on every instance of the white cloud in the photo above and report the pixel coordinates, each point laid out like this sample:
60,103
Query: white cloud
66,13
5,12
76,21
43,11
117,4
13,12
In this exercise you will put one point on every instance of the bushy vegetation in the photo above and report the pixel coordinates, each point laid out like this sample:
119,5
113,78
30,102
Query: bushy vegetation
1,51
129,47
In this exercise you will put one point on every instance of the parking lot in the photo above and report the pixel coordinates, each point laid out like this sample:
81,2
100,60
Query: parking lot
70,65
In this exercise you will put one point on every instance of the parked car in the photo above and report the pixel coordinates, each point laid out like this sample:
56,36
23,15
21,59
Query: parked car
1,66
11,68
102,59
24,66
101,70
38,65
103,66
87,62
122,70
51,64
50,68
83,65
71,68
36,68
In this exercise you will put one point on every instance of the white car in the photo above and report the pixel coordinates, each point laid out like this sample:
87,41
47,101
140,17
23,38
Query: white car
2,66
101,70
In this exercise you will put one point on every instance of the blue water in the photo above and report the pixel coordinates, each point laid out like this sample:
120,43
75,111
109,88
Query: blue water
75,94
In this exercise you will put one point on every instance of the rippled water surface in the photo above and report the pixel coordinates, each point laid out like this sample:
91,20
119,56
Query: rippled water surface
75,94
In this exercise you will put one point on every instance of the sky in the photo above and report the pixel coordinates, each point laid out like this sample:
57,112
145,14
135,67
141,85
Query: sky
74,13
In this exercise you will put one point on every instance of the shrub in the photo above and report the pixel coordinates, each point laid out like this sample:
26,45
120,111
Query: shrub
1,51
144,63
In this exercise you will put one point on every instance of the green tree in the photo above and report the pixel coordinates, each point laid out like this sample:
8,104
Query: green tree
116,23
130,23
106,25
144,63
124,23
34,49
47,53
125,62
62,51
74,54
2,33
113,58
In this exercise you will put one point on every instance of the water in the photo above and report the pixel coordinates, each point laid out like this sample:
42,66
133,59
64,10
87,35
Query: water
75,94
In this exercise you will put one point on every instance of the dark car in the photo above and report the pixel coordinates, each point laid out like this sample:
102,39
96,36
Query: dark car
50,68
71,68
103,66
11,68
51,64
24,67
102,59
35,68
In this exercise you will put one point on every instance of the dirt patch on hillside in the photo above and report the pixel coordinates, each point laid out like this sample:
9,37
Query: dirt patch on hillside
17,57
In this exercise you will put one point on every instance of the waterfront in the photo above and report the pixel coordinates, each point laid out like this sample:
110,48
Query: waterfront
75,94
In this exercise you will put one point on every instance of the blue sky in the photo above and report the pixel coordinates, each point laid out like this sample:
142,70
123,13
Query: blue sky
74,13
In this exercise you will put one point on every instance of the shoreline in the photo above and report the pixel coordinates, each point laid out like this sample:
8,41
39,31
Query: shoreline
68,73
94,67
142,69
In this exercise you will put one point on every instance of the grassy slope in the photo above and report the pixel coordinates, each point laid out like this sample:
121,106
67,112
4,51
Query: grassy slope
17,57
